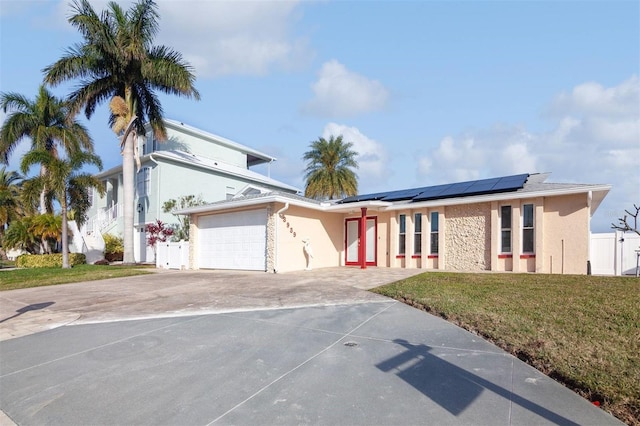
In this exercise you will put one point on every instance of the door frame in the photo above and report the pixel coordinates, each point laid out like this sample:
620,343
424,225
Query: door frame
375,241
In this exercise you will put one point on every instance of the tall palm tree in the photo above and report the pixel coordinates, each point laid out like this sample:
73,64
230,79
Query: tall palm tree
46,121
329,173
66,184
10,206
118,62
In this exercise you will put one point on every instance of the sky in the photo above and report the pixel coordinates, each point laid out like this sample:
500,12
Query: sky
428,92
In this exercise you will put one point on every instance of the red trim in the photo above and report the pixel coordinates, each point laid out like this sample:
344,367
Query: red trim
416,256
400,256
432,256
505,256
527,256
362,252
375,228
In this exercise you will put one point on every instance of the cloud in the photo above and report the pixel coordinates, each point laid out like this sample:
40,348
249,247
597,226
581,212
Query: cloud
343,93
594,138
227,38
372,156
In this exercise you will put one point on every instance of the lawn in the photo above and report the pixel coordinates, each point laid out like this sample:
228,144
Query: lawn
37,277
583,331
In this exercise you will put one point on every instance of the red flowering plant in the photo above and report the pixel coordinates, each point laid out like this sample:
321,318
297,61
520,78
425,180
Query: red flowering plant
157,232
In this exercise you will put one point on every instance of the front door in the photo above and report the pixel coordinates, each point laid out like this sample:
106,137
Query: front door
352,243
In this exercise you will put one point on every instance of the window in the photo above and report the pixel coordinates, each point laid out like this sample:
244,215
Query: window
527,228
142,181
402,234
505,229
434,232
90,195
417,233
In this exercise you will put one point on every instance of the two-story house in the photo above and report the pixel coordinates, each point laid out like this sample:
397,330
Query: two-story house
189,162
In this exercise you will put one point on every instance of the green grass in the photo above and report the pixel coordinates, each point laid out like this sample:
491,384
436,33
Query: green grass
583,331
37,277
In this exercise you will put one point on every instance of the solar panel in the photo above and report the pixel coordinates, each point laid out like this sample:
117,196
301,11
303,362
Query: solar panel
364,197
474,187
456,189
406,194
510,183
431,192
481,186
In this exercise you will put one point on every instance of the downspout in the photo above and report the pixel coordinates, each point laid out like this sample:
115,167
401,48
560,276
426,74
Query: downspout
275,251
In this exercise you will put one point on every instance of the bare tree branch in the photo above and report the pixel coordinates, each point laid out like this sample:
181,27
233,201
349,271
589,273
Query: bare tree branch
623,224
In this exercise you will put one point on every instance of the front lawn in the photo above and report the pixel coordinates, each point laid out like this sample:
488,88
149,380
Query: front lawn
37,277
583,331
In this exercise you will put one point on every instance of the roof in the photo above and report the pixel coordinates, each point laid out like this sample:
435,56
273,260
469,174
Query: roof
208,164
534,185
254,157
450,190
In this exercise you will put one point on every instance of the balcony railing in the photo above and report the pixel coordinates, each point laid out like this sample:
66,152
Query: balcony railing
103,218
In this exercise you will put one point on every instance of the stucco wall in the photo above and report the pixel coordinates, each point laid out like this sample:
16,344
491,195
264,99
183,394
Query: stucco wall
324,230
187,142
566,234
468,237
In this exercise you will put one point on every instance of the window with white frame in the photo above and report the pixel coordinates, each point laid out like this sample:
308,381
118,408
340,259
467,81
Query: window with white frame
435,226
417,233
402,233
90,195
505,229
527,229
142,181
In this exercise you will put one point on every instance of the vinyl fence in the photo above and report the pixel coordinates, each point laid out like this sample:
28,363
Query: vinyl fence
614,253
173,255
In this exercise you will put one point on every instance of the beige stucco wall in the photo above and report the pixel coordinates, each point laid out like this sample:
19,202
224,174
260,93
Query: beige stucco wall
468,237
566,234
325,231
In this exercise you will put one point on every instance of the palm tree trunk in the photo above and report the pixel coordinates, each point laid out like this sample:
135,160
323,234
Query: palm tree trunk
65,237
128,183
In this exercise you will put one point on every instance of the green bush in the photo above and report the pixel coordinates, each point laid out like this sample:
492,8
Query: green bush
48,260
113,244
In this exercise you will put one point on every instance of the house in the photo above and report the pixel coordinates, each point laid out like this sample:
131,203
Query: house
190,162
516,223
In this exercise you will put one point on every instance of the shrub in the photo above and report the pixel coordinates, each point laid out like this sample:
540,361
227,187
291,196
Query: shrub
48,260
113,247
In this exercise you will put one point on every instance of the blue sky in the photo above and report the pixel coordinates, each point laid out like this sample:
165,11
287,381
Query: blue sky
429,92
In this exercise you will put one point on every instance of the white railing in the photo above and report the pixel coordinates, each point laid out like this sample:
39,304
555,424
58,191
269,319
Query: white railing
104,218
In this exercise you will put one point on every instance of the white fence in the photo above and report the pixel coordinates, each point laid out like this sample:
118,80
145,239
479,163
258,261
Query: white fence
614,253
173,255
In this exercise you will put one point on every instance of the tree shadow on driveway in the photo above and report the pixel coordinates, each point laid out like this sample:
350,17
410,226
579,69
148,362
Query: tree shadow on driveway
25,309
450,386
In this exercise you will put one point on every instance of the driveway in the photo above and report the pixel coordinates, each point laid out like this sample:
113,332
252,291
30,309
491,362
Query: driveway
201,348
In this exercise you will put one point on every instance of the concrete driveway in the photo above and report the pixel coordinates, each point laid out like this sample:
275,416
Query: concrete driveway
200,348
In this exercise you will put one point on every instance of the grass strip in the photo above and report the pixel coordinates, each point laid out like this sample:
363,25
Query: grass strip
37,277
583,331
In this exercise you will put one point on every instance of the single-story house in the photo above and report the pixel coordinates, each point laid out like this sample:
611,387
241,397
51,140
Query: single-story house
516,223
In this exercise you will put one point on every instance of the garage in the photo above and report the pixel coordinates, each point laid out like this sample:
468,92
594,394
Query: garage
233,240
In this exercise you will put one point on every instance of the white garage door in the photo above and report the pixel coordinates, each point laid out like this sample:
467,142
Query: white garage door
233,240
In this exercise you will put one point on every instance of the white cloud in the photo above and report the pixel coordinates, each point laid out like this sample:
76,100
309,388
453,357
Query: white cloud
372,156
595,138
224,37
343,93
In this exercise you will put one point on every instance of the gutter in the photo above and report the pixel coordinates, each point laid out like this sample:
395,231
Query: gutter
275,252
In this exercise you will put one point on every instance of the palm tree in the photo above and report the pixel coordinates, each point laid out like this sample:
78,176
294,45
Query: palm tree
10,206
66,184
46,121
329,173
118,62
